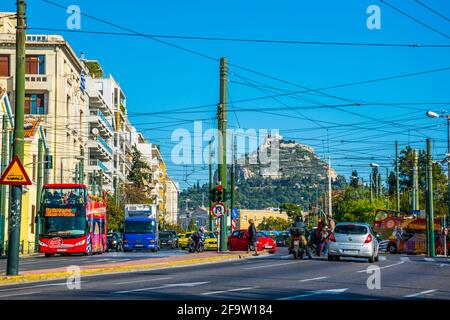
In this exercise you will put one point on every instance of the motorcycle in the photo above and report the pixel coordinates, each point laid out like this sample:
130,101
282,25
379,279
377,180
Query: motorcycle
298,248
196,243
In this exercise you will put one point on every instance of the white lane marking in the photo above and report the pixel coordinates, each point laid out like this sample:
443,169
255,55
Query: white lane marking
382,258
315,293
313,279
39,286
428,259
420,293
230,290
174,285
405,259
18,294
272,265
146,280
384,267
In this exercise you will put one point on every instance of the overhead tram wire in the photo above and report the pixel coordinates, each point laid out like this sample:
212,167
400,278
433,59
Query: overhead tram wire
432,10
192,51
227,39
414,19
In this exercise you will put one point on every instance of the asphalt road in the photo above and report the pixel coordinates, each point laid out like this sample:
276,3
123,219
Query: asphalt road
267,277
36,262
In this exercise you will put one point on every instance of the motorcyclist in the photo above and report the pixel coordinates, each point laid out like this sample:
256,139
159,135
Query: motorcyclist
298,227
198,236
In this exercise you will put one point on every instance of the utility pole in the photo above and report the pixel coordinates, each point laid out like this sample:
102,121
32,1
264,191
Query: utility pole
12,266
397,180
232,174
4,163
94,183
82,167
330,195
40,173
430,214
370,184
211,187
46,165
448,169
100,183
222,146
415,199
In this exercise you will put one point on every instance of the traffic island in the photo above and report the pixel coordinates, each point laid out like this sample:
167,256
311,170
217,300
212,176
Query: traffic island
129,266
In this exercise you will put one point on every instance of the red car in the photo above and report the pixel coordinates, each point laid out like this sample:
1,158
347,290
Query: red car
238,241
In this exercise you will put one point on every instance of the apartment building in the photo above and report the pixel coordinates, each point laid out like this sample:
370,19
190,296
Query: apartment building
53,92
171,200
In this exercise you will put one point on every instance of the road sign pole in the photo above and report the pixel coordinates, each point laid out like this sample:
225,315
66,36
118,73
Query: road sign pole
4,163
211,220
397,177
12,265
222,146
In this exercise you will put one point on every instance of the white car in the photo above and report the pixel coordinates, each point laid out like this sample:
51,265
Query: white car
353,239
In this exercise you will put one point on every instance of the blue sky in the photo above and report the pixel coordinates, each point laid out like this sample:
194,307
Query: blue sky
157,77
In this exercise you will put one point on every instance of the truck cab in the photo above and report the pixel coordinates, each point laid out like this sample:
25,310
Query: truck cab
140,228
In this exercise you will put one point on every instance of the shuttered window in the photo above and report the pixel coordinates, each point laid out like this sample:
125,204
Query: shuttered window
4,65
35,64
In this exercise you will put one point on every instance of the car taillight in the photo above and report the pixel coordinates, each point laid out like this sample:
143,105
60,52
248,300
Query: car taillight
296,238
332,238
368,239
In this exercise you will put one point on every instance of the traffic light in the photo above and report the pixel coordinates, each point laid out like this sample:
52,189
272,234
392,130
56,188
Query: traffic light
219,193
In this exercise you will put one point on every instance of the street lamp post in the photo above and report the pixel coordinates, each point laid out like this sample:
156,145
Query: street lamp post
446,116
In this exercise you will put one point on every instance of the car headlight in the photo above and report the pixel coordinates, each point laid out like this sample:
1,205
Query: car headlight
43,244
80,243
114,241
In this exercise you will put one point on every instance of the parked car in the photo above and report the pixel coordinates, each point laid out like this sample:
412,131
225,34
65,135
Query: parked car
211,241
238,241
353,239
115,242
183,240
282,241
167,239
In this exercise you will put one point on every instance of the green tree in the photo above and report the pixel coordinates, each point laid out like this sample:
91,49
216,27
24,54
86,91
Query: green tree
354,180
140,171
272,223
292,210
115,214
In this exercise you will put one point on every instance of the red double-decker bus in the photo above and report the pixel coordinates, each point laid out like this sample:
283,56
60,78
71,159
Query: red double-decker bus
72,221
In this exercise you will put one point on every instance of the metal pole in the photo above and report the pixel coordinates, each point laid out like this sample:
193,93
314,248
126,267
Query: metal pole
46,170
330,192
12,267
210,216
397,179
100,183
370,184
448,162
39,193
76,180
232,175
222,146
94,182
3,188
430,209
415,182
82,167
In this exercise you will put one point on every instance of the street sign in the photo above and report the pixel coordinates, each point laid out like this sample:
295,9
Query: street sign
15,174
218,209
234,213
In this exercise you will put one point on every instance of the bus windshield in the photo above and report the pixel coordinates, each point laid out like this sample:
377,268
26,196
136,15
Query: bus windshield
140,226
63,196
60,226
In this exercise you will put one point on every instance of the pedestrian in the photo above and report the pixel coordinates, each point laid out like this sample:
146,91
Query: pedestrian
252,237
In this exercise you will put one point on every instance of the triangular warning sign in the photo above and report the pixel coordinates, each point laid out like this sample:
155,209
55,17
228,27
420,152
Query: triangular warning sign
15,174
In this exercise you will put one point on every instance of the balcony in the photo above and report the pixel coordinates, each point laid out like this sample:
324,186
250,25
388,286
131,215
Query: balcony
98,119
99,148
38,82
96,100
99,165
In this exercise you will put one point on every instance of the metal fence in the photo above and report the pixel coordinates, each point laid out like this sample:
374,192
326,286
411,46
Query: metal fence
24,248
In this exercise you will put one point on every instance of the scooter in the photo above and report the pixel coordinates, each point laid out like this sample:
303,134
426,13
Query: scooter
298,249
200,247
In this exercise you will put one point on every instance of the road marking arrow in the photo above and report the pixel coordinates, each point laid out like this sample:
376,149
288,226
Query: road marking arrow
315,293
173,285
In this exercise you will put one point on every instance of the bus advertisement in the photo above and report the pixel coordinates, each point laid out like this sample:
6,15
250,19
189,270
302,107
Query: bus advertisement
406,233
72,221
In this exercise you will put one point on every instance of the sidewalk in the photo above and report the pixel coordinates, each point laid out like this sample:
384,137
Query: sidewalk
128,266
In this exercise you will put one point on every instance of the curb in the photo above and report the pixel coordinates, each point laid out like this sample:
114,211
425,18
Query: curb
4,280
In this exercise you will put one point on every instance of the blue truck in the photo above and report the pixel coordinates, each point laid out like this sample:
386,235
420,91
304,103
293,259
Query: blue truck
141,228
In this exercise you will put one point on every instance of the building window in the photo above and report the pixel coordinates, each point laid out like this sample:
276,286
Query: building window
4,65
245,218
34,104
35,64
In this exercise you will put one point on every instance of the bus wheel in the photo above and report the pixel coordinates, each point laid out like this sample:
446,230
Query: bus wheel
392,248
